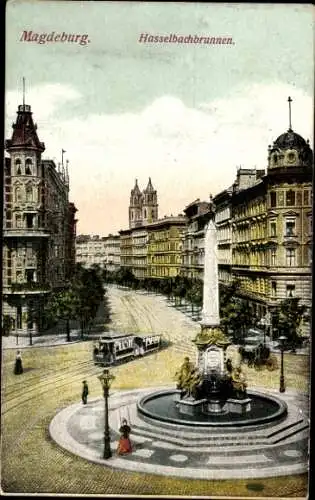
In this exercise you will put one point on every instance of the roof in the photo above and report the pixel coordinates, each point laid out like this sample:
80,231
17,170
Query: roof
290,140
114,335
25,131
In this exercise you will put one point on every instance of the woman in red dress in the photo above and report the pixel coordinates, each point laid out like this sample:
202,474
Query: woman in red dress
124,444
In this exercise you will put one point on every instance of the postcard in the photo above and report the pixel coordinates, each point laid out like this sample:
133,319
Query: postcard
157,249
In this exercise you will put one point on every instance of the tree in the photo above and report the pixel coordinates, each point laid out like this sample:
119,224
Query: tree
63,306
87,286
125,277
237,315
195,294
287,320
181,285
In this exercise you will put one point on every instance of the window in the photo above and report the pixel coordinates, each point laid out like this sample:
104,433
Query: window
273,199
18,166
306,198
18,220
30,220
30,275
310,254
310,225
273,288
18,194
29,193
273,228
290,227
273,256
290,256
290,291
28,167
290,198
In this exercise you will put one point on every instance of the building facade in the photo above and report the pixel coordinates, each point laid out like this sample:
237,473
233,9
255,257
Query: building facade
100,251
272,228
165,241
39,226
197,215
223,222
139,244
112,252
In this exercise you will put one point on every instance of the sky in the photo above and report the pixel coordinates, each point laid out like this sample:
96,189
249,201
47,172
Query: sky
186,115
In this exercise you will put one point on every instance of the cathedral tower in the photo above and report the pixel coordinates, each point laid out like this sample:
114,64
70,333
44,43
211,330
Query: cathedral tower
149,205
135,207
143,207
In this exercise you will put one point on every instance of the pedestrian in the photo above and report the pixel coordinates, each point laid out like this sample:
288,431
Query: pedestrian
124,443
85,392
18,367
229,366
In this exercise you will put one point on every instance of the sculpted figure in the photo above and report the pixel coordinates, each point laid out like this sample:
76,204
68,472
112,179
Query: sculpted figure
193,382
183,375
238,381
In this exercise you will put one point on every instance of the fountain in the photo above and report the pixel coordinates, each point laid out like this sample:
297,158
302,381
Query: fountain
212,392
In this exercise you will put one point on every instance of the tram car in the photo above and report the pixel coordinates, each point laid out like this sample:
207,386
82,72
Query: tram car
113,348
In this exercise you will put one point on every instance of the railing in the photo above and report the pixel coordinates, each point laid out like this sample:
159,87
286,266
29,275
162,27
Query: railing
29,286
24,231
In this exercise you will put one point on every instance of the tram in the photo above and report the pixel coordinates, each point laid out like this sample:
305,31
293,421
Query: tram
113,348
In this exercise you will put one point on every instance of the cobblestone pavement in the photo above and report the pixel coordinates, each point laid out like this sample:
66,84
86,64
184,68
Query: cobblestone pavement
184,453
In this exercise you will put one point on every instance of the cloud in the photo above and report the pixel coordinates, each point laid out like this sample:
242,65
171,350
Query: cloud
45,100
188,152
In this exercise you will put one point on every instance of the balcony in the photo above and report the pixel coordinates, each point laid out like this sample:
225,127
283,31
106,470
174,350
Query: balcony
30,287
26,232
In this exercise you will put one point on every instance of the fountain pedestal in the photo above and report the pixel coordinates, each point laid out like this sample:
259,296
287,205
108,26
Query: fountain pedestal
191,406
214,406
239,406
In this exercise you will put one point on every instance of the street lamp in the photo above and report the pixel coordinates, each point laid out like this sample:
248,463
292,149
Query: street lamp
282,340
106,379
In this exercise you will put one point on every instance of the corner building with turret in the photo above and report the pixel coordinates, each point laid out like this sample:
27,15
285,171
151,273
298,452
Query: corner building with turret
39,227
272,229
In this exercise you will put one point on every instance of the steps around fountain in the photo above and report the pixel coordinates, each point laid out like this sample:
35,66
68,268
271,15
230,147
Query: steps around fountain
290,429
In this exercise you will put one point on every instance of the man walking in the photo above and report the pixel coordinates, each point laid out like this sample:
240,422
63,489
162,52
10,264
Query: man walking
85,392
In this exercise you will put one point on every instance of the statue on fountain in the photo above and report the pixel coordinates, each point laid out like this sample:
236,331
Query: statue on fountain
188,378
238,383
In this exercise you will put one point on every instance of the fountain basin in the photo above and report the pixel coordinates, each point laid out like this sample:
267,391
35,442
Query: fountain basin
162,406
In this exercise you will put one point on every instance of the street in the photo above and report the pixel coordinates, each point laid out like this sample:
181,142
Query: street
52,378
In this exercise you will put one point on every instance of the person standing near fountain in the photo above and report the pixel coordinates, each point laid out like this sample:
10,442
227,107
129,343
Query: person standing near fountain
124,443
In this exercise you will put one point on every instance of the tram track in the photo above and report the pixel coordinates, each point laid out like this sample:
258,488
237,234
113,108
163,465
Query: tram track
11,388
42,389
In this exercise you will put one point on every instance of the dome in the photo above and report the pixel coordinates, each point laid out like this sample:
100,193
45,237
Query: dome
290,140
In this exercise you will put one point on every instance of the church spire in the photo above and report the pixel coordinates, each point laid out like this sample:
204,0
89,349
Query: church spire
149,188
136,189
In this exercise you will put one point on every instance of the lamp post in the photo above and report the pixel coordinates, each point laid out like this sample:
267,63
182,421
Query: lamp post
282,341
106,379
